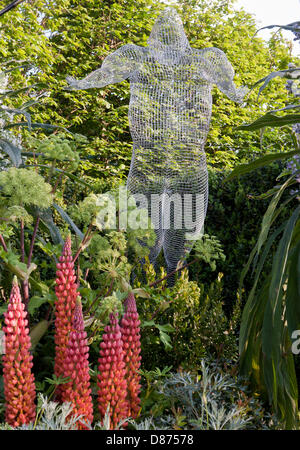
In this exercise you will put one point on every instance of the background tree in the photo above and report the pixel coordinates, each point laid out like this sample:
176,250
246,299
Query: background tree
72,37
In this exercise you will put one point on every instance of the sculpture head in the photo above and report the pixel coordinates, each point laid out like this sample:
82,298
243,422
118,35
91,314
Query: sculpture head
167,33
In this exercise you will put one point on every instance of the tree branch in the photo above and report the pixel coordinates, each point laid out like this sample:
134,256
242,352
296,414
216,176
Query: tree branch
10,6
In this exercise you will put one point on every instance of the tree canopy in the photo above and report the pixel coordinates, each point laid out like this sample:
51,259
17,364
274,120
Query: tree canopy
72,37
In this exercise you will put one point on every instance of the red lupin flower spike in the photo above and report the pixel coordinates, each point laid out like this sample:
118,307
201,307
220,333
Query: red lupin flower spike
18,380
130,329
76,366
111,380
66,294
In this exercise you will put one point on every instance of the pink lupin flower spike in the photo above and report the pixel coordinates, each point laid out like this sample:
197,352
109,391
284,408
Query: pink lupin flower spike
19,387
66,294
130,328
76,366
111,380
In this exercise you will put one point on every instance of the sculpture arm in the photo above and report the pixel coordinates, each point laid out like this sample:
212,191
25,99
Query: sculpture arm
115,68
223,75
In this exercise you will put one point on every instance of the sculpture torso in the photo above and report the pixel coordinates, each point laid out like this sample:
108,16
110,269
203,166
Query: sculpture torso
169,103
169,112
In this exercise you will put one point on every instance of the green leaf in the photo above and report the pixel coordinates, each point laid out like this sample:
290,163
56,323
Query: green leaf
165,339
270,120
293,292
268,78
37,332
260,162
16,92
47,218
26,65
68,219
253,254
75,178
163,332
14,264
280,259
282,387
149,323
68,174
35,302
166,328
12,151
294,26
249,316
44,126
260,265
288,107
57,380
268,216
139,292
19,111
29,103
250,335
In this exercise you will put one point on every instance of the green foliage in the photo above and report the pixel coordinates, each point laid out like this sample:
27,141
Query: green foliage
58,147
108,305
163,332
194,319
24,187
110,251
260,162
17,213
271,120
152,401
209,249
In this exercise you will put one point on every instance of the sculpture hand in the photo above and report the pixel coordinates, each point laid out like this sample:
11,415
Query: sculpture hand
241,93
73,84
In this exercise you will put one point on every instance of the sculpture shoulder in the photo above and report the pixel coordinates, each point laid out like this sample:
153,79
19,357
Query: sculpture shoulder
216,58
212,55
132,52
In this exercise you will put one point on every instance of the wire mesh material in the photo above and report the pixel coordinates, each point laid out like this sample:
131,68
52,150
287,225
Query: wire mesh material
169,116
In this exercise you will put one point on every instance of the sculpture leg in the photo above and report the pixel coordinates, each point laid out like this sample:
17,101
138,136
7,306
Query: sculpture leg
190,194
143,188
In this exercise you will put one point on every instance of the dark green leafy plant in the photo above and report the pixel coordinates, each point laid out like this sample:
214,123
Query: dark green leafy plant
182,324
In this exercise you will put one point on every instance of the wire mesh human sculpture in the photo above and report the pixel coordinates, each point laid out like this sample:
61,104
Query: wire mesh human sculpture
169,116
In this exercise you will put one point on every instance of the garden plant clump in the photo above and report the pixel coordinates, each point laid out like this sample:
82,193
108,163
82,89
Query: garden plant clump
95,337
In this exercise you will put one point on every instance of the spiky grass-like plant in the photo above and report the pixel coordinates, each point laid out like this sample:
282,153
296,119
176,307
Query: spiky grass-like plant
19,387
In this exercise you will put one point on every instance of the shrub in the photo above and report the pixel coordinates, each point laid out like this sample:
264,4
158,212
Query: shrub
182,324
